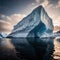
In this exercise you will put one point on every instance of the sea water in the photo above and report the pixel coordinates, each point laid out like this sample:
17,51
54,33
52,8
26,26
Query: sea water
26,48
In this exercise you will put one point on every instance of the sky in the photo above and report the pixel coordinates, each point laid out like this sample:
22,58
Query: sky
12,11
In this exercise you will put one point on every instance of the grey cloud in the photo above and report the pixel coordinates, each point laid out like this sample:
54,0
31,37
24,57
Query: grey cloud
39,1
53,2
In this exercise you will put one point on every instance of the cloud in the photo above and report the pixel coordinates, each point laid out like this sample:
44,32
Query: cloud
53,2
15,18
7,22
4,17
56,20
45,3
39,1
58,5
5,27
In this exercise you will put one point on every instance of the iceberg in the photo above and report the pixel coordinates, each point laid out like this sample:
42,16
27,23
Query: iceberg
2,35
36,24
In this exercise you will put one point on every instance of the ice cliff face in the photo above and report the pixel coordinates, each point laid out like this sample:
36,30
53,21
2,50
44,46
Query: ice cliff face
34,25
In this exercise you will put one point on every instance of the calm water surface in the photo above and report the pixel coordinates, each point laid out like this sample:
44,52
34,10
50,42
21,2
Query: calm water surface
26,48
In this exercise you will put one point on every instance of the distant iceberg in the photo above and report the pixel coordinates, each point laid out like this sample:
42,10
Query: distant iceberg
36,24
2,35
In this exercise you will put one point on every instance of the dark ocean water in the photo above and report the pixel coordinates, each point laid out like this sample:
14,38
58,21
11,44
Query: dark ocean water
26,48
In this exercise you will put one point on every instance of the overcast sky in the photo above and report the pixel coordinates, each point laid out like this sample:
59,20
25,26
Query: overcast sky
12,11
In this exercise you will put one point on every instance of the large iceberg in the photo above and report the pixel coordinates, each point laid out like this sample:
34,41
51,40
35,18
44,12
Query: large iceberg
36,24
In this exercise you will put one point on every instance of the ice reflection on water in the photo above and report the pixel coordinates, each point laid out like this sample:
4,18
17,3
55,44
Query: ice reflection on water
26,48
